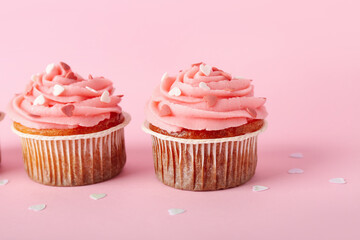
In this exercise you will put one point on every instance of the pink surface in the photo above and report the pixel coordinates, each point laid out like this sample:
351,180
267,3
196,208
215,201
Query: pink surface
304,58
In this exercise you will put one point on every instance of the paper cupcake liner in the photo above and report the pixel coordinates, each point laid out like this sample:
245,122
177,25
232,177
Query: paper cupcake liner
75,160
204,164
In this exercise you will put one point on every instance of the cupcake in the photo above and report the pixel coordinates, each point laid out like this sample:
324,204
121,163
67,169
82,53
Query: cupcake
204,125
71,128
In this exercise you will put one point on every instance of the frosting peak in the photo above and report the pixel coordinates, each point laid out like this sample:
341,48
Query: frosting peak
60,99
203,98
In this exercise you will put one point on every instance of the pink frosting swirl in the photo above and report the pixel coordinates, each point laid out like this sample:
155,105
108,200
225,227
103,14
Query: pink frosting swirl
62,99
203,98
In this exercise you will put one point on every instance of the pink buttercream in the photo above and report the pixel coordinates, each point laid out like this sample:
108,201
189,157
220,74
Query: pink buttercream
88,110
212,102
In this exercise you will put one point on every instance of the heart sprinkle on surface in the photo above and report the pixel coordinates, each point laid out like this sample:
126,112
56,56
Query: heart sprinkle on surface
337,180
97,196
296,155
295,171
258,188
3,182
37,208
175,211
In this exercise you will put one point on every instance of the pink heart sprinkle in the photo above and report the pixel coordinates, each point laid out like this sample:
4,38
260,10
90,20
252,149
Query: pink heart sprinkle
164,110
251,111
211,100
65,66
68,110
71,75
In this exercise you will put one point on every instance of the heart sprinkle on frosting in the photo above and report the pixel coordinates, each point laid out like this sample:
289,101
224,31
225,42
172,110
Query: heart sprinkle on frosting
65,66
164,110
105,97
204,86
58,89
68,110
71,75
90,89
175,92
49,68
206,69
40,100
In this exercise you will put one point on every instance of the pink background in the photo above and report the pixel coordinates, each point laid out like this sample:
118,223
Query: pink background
304,56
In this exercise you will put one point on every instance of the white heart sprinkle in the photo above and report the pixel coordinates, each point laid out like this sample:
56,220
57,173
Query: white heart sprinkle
97,196
296,155
91,89
164,76
175,211
3,182
49,68
337,180
40,100
175,92
37,208
258,188
58,89
295,171
204,86
105,97
206,69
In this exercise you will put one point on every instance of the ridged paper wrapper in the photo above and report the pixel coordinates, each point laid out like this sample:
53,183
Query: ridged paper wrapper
75,160
204,164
